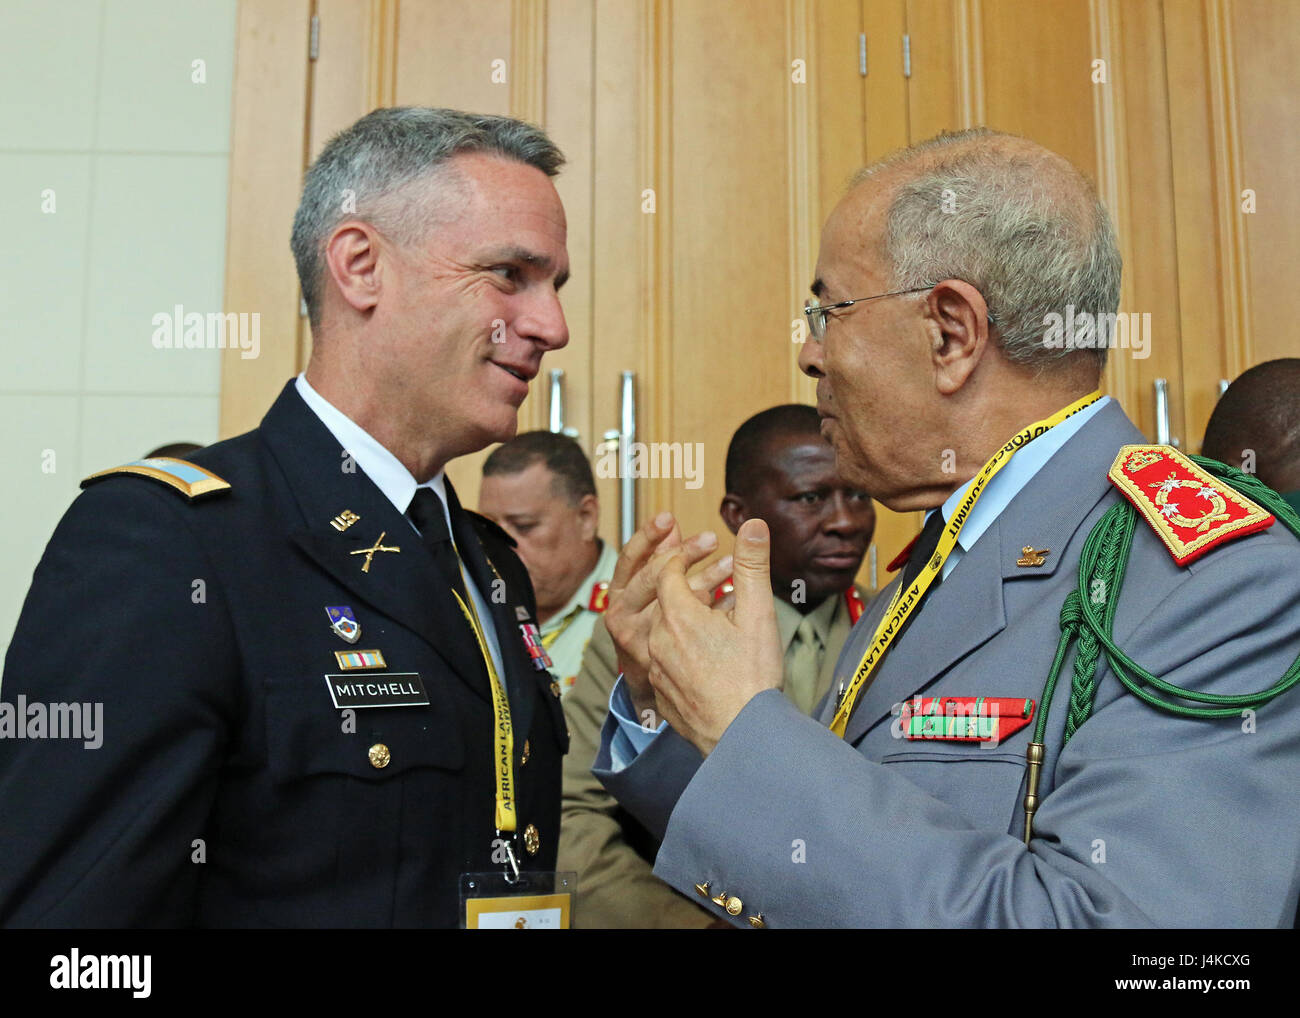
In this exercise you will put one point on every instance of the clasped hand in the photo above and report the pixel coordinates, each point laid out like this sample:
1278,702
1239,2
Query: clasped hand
684,659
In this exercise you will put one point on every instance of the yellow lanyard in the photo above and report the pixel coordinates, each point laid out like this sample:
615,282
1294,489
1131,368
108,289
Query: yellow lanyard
503,732
548,639
905,601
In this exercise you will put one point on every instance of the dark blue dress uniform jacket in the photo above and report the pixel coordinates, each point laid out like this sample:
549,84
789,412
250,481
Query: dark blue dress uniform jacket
220,740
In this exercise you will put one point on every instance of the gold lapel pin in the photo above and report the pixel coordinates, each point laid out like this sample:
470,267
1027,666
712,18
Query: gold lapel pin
369,553
343,520
1030,556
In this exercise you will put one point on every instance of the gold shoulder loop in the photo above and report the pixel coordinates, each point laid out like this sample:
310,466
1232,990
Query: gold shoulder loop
190,480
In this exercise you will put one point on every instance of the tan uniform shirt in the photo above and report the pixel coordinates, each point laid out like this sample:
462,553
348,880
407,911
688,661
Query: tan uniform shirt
598,839
565,634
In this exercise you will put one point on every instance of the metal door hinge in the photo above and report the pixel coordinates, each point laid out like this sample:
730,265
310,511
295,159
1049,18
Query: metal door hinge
907,56
862,54
313,49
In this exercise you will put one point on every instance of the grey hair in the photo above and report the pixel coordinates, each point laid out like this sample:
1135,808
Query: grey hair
380,170
995,220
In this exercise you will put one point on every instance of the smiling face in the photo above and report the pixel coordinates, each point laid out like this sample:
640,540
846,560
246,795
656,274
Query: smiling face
820,523
875,385
468,312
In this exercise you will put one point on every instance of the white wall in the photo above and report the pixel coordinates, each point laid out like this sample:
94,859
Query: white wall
98,105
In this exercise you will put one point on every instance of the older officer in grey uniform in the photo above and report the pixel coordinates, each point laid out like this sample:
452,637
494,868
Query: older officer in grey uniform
951,779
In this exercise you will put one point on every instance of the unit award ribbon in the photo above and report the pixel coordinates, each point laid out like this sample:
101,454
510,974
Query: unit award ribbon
906,600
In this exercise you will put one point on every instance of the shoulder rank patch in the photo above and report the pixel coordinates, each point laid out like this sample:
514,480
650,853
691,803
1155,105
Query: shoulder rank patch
1190,509
965,718
190,480
599,599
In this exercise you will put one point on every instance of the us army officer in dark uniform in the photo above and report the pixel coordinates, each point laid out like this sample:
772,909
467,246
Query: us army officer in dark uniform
296,638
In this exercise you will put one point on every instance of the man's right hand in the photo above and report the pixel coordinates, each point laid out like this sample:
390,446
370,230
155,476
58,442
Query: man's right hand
632,605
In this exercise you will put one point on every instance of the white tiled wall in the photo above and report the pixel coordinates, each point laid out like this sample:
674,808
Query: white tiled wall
113,162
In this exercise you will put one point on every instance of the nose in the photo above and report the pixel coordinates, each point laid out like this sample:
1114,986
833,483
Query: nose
810,358
543,320
849,517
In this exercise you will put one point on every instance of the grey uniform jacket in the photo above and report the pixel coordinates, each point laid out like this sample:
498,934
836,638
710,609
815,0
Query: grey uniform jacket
1146,818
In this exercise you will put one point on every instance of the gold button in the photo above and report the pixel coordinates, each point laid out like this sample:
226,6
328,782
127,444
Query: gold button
735,906
555,689
379,756
524,759
756,921
720,899
532,840
702,889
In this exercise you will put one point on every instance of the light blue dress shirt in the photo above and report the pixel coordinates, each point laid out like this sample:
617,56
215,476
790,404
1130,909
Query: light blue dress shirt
397,484
631,739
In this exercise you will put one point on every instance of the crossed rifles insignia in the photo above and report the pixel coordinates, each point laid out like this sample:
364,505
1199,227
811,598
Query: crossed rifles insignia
369,553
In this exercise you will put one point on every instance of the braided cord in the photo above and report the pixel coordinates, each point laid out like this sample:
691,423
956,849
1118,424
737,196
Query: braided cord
1088,616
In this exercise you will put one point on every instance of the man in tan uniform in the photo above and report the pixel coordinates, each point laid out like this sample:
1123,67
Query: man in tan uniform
781,470
538,487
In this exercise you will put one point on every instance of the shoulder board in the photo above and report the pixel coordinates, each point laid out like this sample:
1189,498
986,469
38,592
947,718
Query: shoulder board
599,599
181,475
1190,510
486,526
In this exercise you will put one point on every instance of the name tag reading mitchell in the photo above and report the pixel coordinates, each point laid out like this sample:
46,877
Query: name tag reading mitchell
381,689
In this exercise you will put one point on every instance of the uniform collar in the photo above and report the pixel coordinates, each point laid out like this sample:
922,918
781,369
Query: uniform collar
376,462
581,599
788,619
1018,472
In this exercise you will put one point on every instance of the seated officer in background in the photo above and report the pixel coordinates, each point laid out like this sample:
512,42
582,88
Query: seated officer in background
309,682
779,469
539,489
1255,426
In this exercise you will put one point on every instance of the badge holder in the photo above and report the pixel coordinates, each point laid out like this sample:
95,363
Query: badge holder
530,901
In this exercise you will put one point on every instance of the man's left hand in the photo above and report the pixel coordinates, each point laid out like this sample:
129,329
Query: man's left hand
707,663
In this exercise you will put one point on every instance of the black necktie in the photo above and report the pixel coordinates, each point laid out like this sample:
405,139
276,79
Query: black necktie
426,513
922,552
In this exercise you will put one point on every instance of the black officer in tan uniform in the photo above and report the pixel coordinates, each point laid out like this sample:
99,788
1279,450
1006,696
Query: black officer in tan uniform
323,698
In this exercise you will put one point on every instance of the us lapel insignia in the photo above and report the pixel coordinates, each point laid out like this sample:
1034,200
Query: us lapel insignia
1031,557
343,520
1189,509
990,719
344,623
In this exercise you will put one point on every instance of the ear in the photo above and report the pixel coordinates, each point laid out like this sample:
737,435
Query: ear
352,261
589,516
733,512
959,332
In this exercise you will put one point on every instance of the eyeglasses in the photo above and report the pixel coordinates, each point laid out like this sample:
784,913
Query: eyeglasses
816,313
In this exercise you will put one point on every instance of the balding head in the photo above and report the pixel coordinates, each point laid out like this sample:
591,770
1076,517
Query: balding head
942,279
1015,220
1256,425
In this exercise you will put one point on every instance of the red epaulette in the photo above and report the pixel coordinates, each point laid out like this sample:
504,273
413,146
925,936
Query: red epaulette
1190,510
